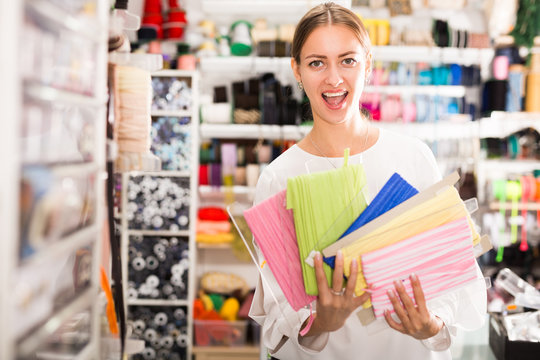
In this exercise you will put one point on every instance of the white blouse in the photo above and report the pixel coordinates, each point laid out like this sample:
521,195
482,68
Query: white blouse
464,308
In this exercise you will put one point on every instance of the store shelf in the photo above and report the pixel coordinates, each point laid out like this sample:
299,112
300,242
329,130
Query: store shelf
171,113
205,246
443,90
160,173
510,206
433,131
62,248
157,302
446,55
426,131
508,166
502,124
258,64
30,343
158,233
50,94
236,189
174,73
240,7
252,131
57,16
244,64
87,353
247,352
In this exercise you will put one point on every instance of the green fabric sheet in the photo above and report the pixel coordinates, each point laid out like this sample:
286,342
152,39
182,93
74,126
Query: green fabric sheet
324,205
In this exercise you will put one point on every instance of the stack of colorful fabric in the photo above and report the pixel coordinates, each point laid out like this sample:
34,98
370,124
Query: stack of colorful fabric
402,231
213,226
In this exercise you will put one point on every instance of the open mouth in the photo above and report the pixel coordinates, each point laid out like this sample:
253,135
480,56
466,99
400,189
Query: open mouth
335,99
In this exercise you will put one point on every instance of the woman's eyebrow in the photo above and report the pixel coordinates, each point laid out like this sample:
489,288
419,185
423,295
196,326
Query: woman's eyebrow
317,56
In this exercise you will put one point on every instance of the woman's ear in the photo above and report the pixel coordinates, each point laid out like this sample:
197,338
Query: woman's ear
295,68
369,66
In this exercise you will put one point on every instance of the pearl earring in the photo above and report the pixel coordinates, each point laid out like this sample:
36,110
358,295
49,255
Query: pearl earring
300,86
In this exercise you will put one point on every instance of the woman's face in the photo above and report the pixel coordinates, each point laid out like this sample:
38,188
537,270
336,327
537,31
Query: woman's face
332,70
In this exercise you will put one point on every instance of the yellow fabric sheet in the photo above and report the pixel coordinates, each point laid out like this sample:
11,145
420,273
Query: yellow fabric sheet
438,210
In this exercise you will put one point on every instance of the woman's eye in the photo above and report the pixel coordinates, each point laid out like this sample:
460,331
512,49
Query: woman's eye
316,63
349,61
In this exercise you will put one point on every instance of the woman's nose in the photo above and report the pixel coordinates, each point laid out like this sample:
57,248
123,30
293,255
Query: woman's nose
334,78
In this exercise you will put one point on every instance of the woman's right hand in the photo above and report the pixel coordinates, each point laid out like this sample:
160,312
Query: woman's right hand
334,304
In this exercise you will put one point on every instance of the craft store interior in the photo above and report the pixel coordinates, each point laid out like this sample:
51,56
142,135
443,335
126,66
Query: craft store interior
135,131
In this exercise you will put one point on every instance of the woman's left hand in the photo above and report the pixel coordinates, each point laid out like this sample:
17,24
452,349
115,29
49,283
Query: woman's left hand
416,320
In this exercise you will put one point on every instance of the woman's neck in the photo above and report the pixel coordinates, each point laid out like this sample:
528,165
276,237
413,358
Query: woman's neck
330,140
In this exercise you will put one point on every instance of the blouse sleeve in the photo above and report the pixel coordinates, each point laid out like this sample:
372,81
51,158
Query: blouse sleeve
279,321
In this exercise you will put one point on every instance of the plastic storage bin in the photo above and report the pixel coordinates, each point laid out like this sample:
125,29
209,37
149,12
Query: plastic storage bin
220,332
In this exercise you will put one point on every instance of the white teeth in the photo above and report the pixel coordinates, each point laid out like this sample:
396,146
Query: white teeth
335,94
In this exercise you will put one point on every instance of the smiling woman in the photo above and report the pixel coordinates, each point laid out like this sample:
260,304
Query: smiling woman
331,60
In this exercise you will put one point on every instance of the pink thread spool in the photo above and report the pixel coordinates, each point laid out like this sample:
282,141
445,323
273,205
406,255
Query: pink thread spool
186,62
526,192
409,112
500,67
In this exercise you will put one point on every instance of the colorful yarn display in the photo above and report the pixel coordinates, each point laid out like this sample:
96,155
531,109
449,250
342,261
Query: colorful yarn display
318,221
273,228
442,258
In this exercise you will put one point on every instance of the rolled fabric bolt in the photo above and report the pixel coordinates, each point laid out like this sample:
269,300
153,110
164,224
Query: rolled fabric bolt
499,191
252,174
500,67
513,193
240,175
264,154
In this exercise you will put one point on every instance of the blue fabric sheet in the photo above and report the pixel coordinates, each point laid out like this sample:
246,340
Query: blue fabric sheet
394,192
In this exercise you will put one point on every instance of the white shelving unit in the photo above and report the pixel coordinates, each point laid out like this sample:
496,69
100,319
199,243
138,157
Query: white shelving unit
434,131
49,265
184,177
436,55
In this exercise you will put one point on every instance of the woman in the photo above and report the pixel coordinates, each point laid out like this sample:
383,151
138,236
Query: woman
331,60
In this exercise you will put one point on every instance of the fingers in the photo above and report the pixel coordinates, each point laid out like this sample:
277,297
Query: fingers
351,281
404,297
392,323
351,285
398,308
419,295
337,278
322,285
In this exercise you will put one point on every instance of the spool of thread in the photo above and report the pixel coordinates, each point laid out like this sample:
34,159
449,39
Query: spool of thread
532,104
241,44
409,112
513,193
537,199
494,95
528,193
383,32
215,174
186,62
455,71
252,174
264,154
499,192
228,162
516,88
240,175
500,67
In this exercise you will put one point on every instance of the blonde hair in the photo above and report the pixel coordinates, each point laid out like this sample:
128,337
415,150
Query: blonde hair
328,14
